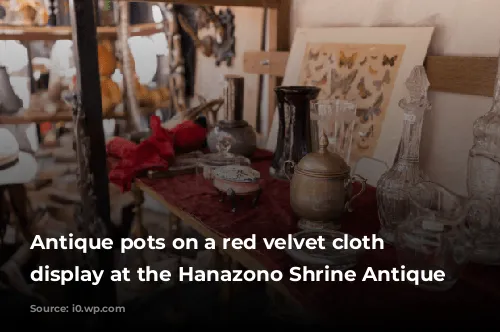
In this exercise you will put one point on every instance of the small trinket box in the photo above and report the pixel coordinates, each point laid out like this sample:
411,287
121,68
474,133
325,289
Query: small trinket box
237,180
210,162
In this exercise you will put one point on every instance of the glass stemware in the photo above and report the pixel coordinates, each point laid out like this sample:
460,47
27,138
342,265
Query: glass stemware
337,119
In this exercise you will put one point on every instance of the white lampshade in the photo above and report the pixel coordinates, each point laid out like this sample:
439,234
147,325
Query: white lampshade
13,55
144,52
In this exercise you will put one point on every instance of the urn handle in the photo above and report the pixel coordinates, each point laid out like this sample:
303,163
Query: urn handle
362,181
288,167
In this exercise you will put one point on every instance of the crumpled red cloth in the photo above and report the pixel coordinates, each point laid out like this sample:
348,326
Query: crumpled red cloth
154,153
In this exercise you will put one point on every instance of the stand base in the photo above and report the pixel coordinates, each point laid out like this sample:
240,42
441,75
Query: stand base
387,235
233,197
309,225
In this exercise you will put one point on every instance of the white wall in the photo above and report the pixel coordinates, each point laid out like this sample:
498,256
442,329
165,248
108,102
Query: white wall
210,78
463,27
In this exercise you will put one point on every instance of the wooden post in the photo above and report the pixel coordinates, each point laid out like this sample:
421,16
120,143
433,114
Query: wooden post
278,40
94,216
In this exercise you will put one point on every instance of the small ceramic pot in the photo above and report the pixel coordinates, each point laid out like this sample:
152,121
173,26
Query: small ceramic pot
320,188
243,137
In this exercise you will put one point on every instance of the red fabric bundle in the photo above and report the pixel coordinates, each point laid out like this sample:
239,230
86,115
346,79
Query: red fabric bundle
154,153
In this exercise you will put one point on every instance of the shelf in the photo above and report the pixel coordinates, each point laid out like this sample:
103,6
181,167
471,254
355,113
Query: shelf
39,117
60,33
241,3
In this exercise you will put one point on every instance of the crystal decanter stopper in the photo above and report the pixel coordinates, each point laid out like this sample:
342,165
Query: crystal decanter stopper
483,180
392,200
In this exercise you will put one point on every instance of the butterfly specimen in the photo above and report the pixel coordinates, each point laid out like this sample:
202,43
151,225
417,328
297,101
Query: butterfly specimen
347,61
364,137
330,59
363,62
374,57
363,92
342,82
377,104
372,71
325,54
367,114
318,68
322,81
389,61
313,56
308,72
385,80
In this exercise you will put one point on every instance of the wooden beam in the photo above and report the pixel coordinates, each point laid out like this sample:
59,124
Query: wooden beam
232,3
265,63
40,117
462,75
272,46
453,74
282,30
64,33
91,151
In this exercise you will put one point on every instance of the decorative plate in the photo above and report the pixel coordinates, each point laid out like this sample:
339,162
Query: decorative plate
236,173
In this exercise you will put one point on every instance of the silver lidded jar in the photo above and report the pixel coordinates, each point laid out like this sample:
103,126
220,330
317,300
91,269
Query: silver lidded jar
241,134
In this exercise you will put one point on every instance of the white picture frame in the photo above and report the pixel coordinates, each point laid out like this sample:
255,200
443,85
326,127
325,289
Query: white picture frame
416,41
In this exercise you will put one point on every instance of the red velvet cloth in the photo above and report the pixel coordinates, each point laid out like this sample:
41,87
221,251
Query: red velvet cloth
273,217
154,153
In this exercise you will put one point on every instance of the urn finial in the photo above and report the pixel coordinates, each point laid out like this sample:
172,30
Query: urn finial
323,142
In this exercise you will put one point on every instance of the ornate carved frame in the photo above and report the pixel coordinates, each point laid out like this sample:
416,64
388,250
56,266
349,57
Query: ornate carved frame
222,45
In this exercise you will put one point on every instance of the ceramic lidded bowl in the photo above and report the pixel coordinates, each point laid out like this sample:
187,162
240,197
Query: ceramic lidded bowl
243,136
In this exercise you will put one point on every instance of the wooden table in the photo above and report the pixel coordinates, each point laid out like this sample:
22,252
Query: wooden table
192,201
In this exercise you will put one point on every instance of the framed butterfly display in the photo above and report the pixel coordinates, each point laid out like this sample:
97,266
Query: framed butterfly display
367,66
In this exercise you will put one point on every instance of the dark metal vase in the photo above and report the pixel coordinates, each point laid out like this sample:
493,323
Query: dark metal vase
294,134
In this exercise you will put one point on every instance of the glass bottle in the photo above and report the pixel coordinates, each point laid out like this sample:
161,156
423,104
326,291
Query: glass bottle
392,198
483,180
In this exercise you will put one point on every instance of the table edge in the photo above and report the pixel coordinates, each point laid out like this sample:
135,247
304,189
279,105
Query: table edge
241,256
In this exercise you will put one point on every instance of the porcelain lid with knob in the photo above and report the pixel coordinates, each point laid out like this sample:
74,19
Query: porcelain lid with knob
323,162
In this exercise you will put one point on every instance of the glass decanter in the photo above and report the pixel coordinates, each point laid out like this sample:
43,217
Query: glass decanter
435,235
483,180
393,203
